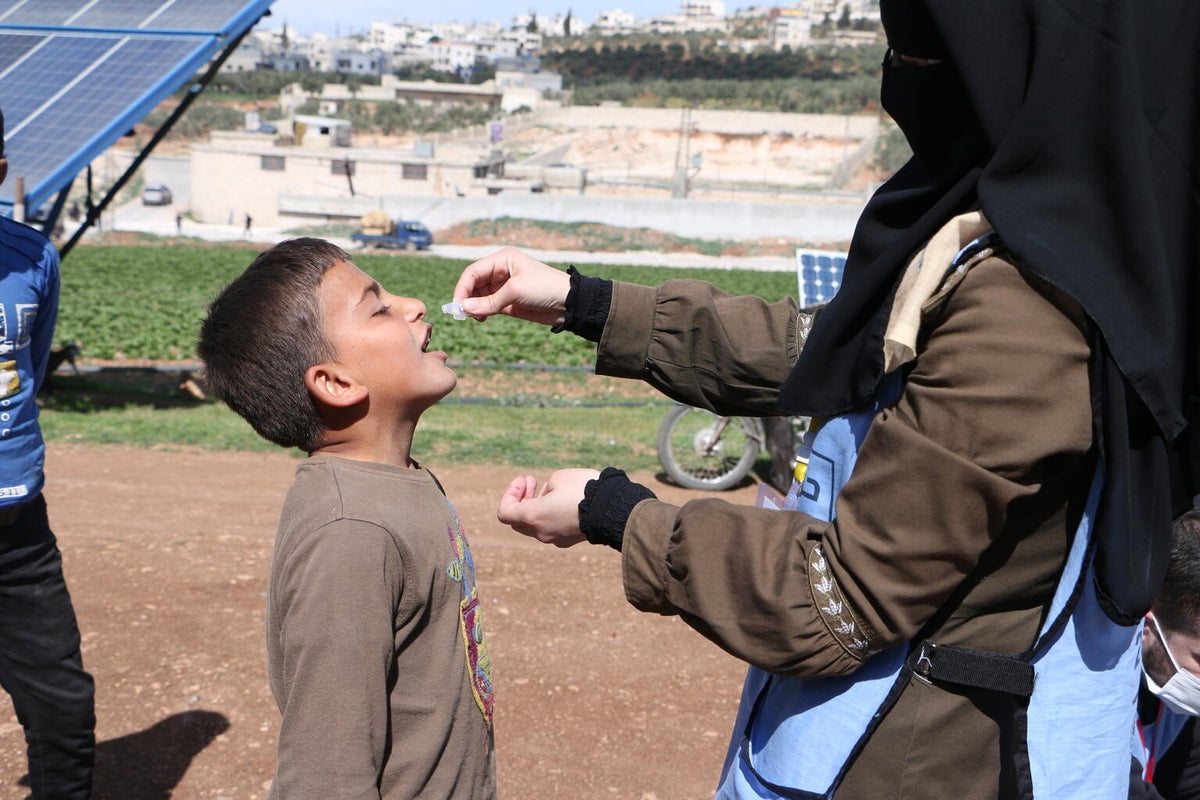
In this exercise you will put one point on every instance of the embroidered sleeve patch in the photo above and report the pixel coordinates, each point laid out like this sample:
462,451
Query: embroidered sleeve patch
849,631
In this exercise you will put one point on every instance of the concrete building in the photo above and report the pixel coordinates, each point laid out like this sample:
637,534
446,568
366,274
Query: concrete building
392,36
317,132
615,21
791,27
495,51
454,57
548,26
702,8
287,62
538,81
355,62
319,50
235,173
246,57
335,97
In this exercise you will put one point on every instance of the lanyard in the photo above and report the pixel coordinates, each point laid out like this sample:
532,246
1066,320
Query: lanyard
1148,771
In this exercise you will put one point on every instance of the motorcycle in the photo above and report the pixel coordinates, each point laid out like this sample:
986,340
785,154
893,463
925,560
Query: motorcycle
702,450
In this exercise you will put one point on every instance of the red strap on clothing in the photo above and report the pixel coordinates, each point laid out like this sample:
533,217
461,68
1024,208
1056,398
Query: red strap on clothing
1148,771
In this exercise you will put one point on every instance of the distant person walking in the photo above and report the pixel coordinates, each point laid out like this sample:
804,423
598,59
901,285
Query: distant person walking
178,223
248,221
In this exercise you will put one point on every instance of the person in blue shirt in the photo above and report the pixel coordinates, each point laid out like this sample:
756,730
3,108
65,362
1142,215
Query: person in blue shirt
41,667
1167,745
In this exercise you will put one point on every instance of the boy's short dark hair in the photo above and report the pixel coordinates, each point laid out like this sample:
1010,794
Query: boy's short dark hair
262,333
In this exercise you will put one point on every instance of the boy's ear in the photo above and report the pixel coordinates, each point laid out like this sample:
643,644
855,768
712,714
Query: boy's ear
332,385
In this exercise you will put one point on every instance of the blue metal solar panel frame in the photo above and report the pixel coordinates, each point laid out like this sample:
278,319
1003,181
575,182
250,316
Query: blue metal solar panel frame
77,75
819,273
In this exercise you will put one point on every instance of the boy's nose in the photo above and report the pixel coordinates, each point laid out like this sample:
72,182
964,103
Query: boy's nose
413,308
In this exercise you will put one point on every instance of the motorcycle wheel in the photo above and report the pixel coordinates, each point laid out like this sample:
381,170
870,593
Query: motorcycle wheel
700,450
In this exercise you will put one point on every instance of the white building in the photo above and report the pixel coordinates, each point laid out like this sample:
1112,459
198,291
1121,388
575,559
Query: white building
320,132
389,36
353,62
615,21
494,50
547,26
282,184
526,42
792,28
454,57
702,8
318,49
452,31
520,79
246,58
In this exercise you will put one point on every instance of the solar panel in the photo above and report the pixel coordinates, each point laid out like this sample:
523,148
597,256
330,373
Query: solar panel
76,75
192,16
820,275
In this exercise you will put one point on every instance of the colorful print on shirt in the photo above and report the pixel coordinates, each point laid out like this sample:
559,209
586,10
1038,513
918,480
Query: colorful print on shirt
16,331
479,658
10,379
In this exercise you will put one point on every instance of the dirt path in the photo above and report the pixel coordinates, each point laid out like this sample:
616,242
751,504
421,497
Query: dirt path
167,556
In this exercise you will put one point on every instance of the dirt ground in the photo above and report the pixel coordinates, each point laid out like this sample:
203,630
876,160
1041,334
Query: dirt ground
167,553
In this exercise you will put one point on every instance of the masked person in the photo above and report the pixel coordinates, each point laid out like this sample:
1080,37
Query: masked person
1167,746
948,605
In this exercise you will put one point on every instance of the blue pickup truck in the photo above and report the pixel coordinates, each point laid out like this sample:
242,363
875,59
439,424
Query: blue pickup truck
398,235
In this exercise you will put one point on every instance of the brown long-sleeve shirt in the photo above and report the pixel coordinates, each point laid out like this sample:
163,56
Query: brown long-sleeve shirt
962,503
375,650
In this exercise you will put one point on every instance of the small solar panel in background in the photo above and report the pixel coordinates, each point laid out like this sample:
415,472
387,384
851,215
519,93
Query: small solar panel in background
77,75
820,275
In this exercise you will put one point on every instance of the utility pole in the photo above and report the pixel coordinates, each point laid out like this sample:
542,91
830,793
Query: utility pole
679,188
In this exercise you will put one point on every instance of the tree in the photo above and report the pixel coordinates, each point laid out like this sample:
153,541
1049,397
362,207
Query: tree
844,22
532,27
567,24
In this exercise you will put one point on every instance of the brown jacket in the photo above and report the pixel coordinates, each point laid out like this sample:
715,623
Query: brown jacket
962,503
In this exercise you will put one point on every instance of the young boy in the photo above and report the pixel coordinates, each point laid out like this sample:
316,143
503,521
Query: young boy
375,649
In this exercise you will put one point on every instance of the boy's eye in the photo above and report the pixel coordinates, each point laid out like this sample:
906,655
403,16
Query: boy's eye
383,310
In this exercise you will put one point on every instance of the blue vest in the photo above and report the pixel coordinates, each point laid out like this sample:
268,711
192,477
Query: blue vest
796,738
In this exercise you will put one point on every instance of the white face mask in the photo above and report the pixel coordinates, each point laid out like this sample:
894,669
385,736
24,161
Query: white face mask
1181,692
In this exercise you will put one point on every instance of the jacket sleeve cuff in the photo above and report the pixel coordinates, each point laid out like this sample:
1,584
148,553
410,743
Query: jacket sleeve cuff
606,505
623,349
587,306
648,534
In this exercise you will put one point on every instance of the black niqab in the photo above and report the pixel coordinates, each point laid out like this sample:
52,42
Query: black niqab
1075,126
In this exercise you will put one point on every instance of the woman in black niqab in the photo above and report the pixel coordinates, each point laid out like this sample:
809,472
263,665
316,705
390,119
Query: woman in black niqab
1074,125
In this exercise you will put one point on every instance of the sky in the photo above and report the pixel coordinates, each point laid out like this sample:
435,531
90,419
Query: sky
344,17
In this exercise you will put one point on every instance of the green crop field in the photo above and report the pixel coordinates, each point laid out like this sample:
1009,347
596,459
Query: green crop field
147,302
525,396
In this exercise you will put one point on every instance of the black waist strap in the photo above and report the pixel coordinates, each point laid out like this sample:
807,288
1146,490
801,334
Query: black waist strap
1000,672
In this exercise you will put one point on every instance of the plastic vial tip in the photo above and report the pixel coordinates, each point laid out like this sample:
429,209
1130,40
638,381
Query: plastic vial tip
455,310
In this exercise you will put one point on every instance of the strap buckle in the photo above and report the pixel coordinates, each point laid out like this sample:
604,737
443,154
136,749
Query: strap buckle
1009,673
